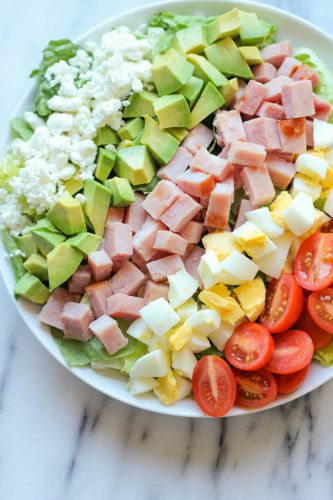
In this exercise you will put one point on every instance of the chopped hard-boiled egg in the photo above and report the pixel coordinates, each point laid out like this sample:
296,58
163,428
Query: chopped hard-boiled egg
304,184
319,220
198,343
187,309
181,287
159,343
139,330
167,388
180,337
322,134
263,219
327,183
328,207
159,316
153,364
251,296
221,335
239,266
312,165
218,298
204,321
300,215
228,279
184,387
221,242
140,385
209,269
253,240
184,362
279,205
273,264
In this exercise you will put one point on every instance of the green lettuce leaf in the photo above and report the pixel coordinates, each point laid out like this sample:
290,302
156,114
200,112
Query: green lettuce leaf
147,188
8,169
209,352
175,22
15,256
270,32
239,195
73,351
325,356
131,359
20,126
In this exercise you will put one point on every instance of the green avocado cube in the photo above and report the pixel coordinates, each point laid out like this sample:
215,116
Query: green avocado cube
27,244
105,135
229,91
73,186
46,240
252,31
172,111
206,71
140,105
226,25
67,215
29,287
251,55
191,39
43,224
178,133
122,193
135,164
37,265
192,89
86,243
105,164
97,205
131,129
160,143
126,143
227,58
62,263
209,101
170,72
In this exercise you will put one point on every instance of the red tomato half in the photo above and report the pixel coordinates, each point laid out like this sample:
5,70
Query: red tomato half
320,338
289,383
284,303
255,389
249,347
320,307
293,350
314,262
214,386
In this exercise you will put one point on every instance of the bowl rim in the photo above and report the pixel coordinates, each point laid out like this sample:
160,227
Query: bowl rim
80,373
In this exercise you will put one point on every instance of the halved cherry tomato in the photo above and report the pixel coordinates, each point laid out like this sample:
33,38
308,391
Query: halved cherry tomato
214,386
320,338
320,307
284,303
255,389
292,381
327,227
249,347
293,350
314,262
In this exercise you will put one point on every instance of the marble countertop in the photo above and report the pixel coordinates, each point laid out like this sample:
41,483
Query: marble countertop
61,440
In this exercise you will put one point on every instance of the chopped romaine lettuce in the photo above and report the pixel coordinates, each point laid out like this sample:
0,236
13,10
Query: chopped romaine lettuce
14,254
270,32
209,352
8,169
239,195
20,126
147,188
175,22
325,356
130,359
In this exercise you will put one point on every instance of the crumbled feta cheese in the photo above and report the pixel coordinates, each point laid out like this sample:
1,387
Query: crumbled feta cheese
66,104
33,120
58,123
83,153
80,198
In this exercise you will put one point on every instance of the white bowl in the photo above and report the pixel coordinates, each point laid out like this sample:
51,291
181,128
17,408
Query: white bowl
301,33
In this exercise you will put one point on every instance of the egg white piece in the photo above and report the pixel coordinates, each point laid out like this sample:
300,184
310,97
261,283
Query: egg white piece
263,219
184,361
312,165
140,331
204,321
246,232
198,343
159,316
220,336
187,309
209,269
181,287
240,266
322,134
303,184
300,215
273,264
184,387
141,385
154,364
328,207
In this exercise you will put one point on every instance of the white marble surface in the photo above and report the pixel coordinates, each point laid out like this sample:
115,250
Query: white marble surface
61,440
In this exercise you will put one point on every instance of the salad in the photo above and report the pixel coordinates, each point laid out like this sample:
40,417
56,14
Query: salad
169,203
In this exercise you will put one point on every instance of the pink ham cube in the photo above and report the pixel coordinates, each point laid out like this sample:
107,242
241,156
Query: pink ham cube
309,133
304,72
257,185
293,135
247,153
264,72
236,176
192,262
229,127
50,314
97,294
118,241
288,67
297,99
144,239
153,291
161,198
169,242
176,166
80,279
76,319
193,231
210,164
180,213
199,137
135,214
108,332
161,268
263,131
244,207
323,109
127,280
100,265
271,110
124,306
277,52
280,170
274,88
220,201
251,99
115,214
196,183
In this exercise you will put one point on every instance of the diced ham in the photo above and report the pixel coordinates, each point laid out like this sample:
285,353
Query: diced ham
236,176
281,171
97,294
180,213
199,137
139,262
257,185
124,306
263,131
153,291
246,153
241,89
192,262
118,242
277,52
229,127
101,246
293,135
220,201
118,264
271,110
128,280
100,265
161,268
115,214
195,183
108,332
309,133
288,67
304,72
244,207
135,214
251,99
274,88
161,198
176,166
210,164
189,249
323,109
169,242
225,151
80,279
297,99
264,72
50,314
76,319
192,232
144,239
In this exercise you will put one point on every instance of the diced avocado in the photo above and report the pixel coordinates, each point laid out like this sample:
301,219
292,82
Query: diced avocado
140,105
178,133
209,101
27,244
229,91
126,143
43,224
122,193
192,89
32,289
73,186
62,263
192,39
105,164
37,265
206,71
97,205
84,242
252,31
160,143
226,25
226,56
135,164
170,72
47,240
251,55
67,215
13,252
131,129
105,135
172,111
